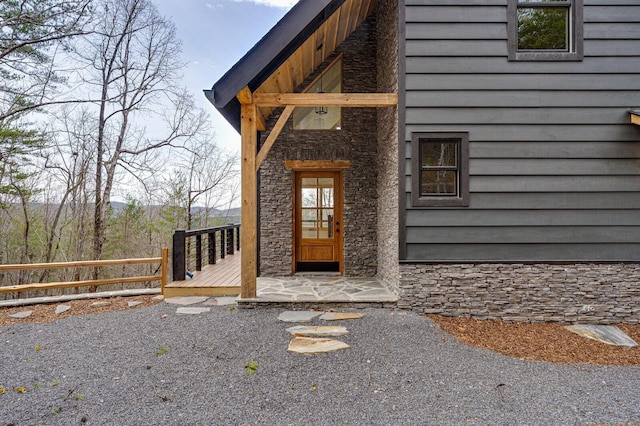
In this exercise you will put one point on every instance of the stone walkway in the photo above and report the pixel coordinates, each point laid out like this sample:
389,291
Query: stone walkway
323,289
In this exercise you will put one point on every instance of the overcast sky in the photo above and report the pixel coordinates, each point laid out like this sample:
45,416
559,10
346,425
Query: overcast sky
215,34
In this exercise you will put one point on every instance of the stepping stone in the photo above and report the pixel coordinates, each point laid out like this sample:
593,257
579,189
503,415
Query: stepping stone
298,316
186,300
221,301
609,334
100,304
309,345
20,315
62,308
337,316
317,331
192,311
133,304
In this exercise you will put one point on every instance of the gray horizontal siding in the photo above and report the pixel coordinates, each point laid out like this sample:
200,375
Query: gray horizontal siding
494,217
554,161
552,167
498,65
523,252
608,202
522,132
544,149
523,235
538,183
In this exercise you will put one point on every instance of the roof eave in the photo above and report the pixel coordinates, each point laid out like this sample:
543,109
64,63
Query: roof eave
268,54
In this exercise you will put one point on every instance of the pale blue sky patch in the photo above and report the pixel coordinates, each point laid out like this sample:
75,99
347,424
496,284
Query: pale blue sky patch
272,3
215,34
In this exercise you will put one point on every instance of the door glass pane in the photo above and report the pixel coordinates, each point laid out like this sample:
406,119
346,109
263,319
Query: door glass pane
326,192
317,207
309,223
309,192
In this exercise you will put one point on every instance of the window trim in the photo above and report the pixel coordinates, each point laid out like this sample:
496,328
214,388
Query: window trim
576,35
462,199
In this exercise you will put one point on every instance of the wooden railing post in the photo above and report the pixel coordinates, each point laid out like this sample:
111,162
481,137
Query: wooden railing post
199,252
178,255
211,239
230,240
164,268
223,244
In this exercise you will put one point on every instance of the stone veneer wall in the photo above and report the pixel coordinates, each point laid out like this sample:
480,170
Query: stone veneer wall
387,60
356,142
585,293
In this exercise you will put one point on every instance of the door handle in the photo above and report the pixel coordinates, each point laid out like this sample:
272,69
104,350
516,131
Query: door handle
330,233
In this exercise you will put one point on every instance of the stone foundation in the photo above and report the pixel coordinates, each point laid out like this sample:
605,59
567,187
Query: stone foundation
573,293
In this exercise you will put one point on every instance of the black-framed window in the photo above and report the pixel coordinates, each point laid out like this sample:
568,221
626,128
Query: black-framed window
545,30
440,169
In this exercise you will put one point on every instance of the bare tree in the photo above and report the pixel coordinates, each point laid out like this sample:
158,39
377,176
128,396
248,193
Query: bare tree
31,34
134,56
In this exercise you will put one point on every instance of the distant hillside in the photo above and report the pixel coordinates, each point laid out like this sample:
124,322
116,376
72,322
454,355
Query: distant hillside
233,214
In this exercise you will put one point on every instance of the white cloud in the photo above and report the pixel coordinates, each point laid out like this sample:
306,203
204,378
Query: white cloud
213,6
285,4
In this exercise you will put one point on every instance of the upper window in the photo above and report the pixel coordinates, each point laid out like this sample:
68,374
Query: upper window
545,30
440,172
322,118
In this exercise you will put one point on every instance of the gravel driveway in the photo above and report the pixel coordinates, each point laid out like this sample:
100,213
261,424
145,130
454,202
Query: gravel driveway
137,368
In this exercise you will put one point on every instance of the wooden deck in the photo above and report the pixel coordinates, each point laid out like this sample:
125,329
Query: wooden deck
221,279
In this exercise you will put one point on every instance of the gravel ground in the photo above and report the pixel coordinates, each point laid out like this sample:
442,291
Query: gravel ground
135,367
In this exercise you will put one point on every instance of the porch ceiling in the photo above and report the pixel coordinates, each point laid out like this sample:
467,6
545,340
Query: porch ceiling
315,50
289,53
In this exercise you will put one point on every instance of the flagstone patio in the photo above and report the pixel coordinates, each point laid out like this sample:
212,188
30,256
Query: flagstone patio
325,289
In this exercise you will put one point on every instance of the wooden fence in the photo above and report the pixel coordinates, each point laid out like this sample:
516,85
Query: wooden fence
162,260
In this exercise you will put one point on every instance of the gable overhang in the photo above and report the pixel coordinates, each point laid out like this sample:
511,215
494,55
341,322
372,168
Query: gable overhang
302,40
266,79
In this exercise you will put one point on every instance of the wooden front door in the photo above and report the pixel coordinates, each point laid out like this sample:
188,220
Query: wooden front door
318,221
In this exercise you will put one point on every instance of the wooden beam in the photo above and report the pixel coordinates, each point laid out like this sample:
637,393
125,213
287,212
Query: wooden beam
635,119
317,164
261,124
277,128
244,96
347,100
249,229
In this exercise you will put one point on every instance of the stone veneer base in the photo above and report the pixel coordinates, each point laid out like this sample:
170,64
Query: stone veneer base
566,293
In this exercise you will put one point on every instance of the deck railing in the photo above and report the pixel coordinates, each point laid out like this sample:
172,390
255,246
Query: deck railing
162,260
221,240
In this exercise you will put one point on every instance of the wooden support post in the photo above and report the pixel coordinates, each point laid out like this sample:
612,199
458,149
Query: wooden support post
178,255
249,253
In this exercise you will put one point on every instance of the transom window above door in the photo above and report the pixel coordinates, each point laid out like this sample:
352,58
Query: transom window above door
321,117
